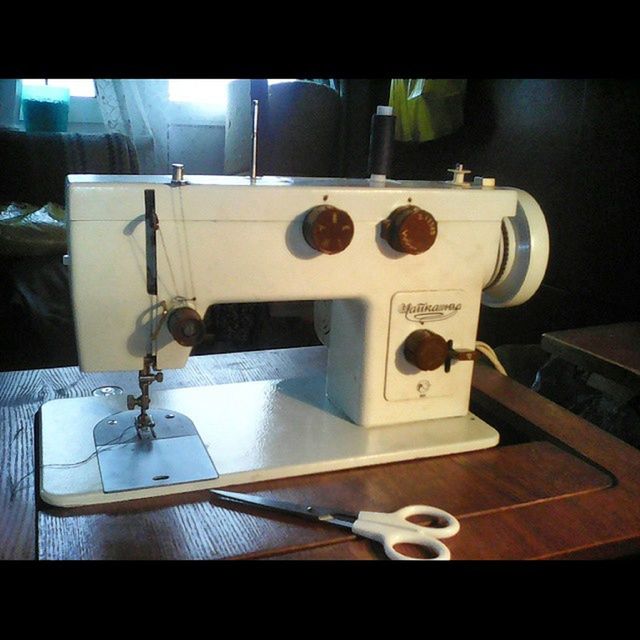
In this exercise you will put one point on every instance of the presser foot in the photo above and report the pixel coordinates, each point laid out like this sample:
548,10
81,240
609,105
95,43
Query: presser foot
144,425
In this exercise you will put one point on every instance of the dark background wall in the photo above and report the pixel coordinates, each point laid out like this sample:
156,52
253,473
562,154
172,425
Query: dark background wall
575,146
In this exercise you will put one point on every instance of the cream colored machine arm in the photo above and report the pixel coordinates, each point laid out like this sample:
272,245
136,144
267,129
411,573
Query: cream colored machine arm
395,258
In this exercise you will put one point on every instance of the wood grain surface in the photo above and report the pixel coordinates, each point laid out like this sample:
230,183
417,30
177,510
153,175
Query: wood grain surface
599,524
19,397
23,392
204,527
565,489
612,350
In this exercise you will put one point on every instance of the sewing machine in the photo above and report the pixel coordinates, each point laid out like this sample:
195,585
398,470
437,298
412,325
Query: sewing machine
406,266
398,270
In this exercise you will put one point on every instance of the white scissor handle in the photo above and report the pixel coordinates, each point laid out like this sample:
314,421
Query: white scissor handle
448,525
393,528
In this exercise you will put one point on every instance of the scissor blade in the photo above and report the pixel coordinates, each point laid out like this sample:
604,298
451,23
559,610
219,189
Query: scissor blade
304,511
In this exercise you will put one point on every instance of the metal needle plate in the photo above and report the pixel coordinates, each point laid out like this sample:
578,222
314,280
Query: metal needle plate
176,455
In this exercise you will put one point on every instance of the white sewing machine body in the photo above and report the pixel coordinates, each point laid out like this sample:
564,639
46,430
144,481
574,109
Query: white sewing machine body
234,240
224,240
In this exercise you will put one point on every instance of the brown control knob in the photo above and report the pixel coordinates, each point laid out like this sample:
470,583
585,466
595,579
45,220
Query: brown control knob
328,229
426,350
409,229
186,326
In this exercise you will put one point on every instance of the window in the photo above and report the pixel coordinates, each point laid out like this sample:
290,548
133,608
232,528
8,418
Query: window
197,101
212,92
77,88
204,98
83,106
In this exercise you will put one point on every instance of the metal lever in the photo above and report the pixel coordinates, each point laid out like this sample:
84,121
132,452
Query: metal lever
151,226
456,354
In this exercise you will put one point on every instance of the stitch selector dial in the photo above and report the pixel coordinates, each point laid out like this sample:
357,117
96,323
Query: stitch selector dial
409,229
429,351
327,229
426,350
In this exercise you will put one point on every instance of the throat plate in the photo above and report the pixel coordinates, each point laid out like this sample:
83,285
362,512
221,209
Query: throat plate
176,455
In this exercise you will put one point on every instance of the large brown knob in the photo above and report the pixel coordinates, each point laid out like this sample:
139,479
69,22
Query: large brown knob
328,229
409,229
426,350
186,326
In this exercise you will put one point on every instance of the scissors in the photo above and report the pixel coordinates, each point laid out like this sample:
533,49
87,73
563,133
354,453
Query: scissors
390,529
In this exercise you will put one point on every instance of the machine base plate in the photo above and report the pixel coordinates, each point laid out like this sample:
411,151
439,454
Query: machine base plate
252,431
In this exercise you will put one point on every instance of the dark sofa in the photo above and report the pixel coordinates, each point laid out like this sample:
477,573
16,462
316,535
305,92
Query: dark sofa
36,326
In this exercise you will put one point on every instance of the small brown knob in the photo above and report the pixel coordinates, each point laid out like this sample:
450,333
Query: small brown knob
186,326
426,350
409,229
328,229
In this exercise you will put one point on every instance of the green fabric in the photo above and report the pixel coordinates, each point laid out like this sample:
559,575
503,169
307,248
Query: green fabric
427,109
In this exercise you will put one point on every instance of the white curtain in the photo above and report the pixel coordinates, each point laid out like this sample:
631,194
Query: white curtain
138,109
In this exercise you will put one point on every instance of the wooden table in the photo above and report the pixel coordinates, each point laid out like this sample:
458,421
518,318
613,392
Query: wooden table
557,486
610,351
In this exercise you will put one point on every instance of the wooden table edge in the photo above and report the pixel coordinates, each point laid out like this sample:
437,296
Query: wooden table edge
577,436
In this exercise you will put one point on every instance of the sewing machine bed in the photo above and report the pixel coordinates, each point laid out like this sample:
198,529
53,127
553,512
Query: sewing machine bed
252,431
564,489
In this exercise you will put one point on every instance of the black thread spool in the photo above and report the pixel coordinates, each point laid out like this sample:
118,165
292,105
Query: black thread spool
381,143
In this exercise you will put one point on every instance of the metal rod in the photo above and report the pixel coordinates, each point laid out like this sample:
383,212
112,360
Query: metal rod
254,140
